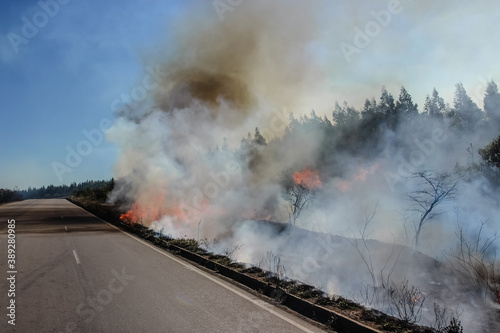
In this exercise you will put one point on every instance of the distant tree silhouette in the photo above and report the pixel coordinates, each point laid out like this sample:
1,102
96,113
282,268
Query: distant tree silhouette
492,103
387,107
7,195
434,106
61,191
258,138
344,116
405,108
97,193
371,117
465,113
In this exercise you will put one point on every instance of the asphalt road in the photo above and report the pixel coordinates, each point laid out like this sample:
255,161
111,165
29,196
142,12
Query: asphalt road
76,273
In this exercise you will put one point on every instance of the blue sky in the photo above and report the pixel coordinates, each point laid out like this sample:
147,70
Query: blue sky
64,79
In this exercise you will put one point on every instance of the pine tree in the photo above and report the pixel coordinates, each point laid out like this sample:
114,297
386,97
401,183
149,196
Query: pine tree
434,106
373,122
369,108
465,111
388,108
404,106
370,116
258,138
345,116
492,103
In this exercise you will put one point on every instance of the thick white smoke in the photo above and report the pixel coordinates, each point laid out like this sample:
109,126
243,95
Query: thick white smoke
184,168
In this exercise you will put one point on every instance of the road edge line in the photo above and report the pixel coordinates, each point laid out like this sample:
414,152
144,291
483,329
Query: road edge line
258,302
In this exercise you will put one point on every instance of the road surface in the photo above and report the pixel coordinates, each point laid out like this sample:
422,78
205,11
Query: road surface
75,273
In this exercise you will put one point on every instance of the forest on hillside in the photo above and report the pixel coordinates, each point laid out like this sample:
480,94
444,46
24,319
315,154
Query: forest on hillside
388,124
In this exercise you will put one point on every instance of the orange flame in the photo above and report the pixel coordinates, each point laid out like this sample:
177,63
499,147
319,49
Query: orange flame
307,178
146,209
136,214
345,185
152,207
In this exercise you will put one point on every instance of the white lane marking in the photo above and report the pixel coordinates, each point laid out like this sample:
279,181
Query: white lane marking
66,228
260,303
257,301
76,257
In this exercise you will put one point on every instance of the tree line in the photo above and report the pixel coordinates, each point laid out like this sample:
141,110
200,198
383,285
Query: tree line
362,132
58,191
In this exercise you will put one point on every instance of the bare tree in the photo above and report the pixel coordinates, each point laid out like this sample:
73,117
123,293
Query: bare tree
399,299
406,301
435,189
446,320
473,262
298,196
359,242
381,280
